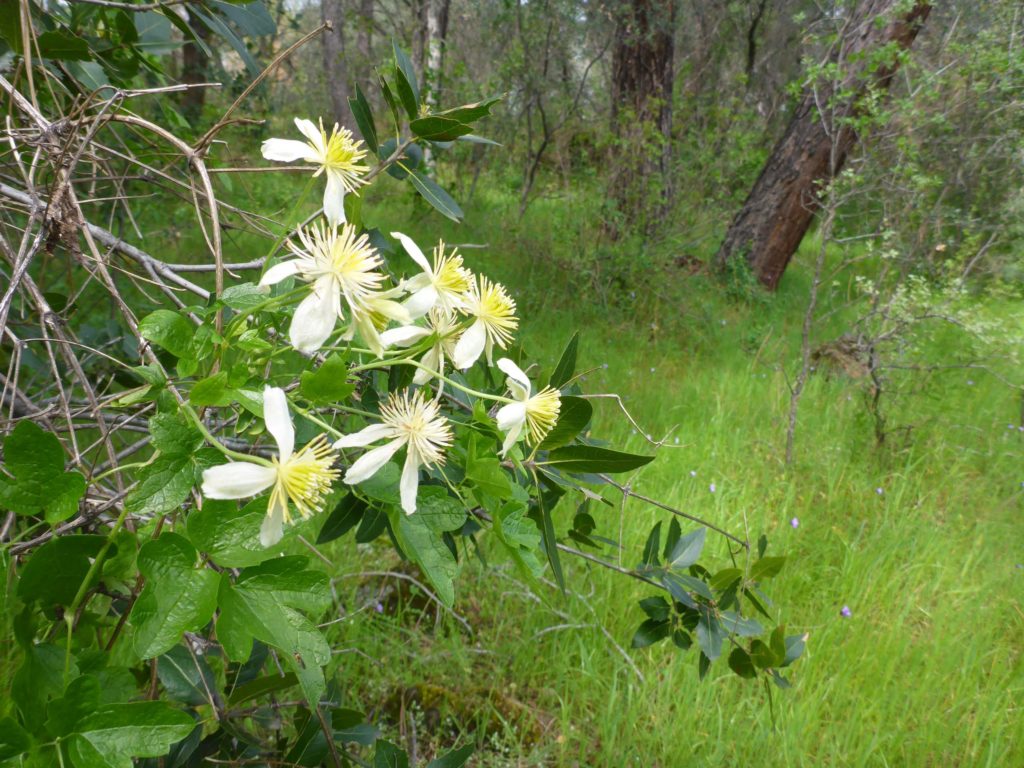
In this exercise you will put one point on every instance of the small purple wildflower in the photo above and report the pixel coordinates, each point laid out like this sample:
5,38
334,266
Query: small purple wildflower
379,608
879,491
1011,426
652,369
693,473
970,382
711,487
846,612
795,522
604,365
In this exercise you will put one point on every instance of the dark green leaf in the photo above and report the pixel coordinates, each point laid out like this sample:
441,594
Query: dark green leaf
589,458
651,632
186,678
14,740
212,390
740,625
470,113
763,656
231,536
387,755
433,128
243,296
56,570
741,663
795,645
566,366
573,417
455,759
656,608
405,77
64,46
253,19
426,547
343,518
261,686
710,634
687,550
650,556
682,640
364,119
436,196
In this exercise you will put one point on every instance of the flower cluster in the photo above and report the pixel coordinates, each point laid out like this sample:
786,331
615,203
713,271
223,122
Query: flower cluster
444,315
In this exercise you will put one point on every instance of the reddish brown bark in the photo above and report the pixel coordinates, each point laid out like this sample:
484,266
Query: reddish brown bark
777,213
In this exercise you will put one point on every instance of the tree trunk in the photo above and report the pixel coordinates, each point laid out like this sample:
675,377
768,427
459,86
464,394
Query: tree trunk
335,69
780,207
642,77
437,32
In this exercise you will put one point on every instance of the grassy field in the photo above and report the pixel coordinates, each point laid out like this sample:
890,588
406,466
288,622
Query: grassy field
922,538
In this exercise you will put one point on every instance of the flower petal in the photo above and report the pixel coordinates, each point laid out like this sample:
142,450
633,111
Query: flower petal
315,317
410,482
287,151
432,363
366,466
310,130
280,272
364,436
334,200
405,336
511,437
470,345
237,480
510,415
421,302
518,382
278,421
272,528
414,251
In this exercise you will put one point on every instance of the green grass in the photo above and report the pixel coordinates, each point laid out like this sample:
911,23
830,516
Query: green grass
926,672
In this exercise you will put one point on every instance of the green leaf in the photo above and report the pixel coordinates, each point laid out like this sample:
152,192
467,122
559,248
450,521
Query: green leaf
656,608
40,677
405,80
244,296
520,537
650,556
650,632
434,128
766,567
252,18
426,547
455,759
163,485
387,755
795,645
57,44
733,623
14,740
470,113
213,390
328,384
364,119
589,458
343,518
687,550
261,686
566,366
231,536
180,595
35,458
438,511
484,470
741,663
436,196
112,735
763,656
168,330
573,416
186,677
710,634
56,570
264,604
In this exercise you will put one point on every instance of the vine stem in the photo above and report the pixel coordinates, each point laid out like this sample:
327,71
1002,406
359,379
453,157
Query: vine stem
69,614
434,374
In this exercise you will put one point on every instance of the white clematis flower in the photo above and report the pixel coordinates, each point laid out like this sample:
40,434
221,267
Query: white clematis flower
338,265
442,285
304,478
495,314
412,422
443,327
373,315
338,156
538,413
